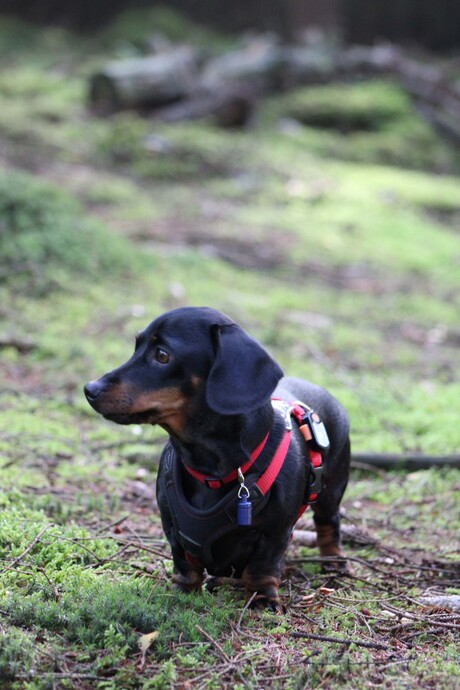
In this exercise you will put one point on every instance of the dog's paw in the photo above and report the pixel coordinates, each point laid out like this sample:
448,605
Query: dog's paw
190,582
337,564
262,593
262,602
335,560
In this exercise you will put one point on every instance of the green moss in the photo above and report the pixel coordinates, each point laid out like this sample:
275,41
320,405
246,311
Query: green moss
45,234
178,152
367,106
368,121
16,653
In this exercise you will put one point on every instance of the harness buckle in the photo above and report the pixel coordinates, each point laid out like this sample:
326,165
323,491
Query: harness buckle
316,478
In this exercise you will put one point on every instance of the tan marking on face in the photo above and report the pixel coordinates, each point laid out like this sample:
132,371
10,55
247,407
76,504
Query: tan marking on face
163,402
165,405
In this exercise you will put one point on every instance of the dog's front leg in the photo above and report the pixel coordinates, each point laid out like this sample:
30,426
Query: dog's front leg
262,575
188,572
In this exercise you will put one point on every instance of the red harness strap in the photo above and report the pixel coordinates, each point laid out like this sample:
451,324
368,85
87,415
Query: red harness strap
316,458
233,475
268,476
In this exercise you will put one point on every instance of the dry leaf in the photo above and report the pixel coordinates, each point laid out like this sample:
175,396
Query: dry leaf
145,641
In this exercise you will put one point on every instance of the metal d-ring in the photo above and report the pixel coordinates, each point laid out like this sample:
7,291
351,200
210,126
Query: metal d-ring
243,486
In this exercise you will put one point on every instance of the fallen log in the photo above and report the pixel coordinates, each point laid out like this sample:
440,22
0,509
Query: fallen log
149,82
436,97
407,461
442,601
225,108
350,534
228,86
23,346
258,65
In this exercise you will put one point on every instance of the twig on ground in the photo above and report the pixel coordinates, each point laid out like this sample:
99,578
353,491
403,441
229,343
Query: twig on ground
142,547
222,653
214,643
51,583
417,633
245,608
16,560
115,523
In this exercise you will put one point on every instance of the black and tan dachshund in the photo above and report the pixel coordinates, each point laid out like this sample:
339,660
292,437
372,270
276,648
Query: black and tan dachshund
239,465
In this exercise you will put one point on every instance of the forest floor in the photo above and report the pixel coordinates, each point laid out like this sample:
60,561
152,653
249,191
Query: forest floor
340,252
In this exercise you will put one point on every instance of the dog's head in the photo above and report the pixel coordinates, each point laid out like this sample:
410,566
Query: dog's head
186,359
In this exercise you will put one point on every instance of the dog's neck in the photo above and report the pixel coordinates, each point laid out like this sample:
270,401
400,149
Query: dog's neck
216,444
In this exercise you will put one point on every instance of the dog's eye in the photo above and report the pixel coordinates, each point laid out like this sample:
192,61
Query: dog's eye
162,356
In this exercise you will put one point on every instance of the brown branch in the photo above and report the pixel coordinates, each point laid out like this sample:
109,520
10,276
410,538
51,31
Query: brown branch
430,631
115,523
16,560
246,606
139,545
214,643
57,594
222,653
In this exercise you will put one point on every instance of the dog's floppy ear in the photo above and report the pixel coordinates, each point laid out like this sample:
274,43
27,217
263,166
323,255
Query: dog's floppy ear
243,373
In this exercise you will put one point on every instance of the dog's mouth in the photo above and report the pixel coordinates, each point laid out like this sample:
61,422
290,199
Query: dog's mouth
160,412
125,405
145,417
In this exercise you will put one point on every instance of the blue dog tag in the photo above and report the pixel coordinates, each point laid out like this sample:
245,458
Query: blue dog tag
244,505
243,512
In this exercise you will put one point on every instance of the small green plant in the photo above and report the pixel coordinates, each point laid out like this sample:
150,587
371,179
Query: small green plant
16,653
163,680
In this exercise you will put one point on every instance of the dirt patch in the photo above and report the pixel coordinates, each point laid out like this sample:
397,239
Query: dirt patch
277,255
448,217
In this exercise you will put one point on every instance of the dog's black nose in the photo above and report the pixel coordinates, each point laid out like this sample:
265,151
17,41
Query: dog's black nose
92,390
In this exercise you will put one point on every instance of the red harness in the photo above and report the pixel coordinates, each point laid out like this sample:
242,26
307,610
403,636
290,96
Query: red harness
268,476
233,476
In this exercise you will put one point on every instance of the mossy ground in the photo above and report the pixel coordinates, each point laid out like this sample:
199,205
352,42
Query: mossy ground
345,266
